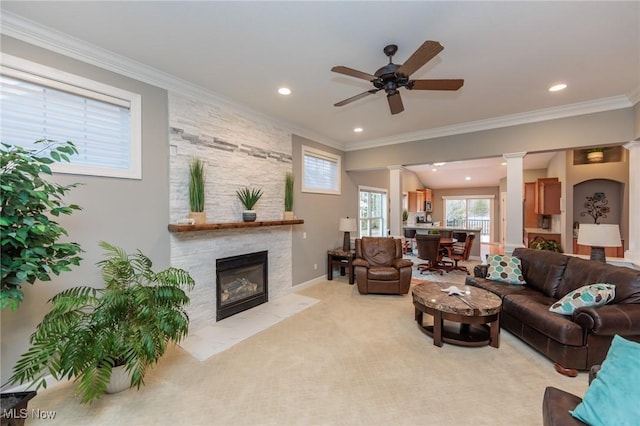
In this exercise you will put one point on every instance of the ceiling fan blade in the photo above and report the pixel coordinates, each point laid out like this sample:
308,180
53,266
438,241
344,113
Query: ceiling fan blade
353,73
356,97
453,84
395,103
424,54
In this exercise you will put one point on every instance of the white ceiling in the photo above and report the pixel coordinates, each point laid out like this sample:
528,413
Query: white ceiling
508,53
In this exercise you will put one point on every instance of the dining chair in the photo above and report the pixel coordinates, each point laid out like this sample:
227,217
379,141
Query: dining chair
457,254
429,250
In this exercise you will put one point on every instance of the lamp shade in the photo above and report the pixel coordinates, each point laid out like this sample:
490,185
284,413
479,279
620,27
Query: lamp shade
347,224
595,235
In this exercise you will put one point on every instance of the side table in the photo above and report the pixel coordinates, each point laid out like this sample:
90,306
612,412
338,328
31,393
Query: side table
342,259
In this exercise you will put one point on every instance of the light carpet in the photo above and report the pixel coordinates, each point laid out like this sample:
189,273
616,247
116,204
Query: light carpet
211,339
349,359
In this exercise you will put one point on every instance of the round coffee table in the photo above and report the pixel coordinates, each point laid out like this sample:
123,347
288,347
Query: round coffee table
477,314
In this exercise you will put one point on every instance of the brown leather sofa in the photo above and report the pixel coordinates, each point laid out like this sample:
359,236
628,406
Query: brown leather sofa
379,266
556,404
575,342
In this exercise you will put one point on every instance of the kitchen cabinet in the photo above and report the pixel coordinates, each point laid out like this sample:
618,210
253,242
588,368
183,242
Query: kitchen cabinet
416,201
547,196
608,251
530,216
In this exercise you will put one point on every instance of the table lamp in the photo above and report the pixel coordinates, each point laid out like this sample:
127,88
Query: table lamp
347,226
598,237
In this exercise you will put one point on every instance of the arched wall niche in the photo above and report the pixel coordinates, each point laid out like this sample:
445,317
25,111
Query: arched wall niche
601,199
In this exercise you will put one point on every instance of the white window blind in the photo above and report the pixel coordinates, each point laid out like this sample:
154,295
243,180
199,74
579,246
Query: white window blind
101,126
321,171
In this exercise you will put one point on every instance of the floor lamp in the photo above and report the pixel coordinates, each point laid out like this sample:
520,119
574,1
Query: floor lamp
598,237
347,225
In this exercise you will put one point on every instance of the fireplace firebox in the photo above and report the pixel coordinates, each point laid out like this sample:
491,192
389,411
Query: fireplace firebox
241,283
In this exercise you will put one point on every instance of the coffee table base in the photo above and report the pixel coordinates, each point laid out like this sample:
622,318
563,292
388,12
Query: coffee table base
460,330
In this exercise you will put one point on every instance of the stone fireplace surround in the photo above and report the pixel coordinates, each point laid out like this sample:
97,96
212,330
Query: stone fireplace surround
238,151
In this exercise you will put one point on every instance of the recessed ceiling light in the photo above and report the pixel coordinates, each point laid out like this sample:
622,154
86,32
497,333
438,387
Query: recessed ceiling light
557,87
284,91
467,178
357,129
439,164
504,163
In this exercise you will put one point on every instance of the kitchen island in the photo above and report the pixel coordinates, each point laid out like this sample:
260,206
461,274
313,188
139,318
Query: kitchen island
424,228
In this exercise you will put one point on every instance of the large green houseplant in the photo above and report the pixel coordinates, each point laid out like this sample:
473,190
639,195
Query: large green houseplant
90,331
29,236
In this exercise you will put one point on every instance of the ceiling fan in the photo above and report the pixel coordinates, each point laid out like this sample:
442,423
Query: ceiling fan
392,76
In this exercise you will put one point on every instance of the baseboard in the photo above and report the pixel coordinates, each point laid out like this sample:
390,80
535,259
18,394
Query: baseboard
307,284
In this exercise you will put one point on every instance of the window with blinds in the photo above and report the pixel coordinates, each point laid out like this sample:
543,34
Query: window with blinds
320,171
103,122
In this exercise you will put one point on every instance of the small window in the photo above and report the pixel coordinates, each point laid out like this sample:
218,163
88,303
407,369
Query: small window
103,122
321,171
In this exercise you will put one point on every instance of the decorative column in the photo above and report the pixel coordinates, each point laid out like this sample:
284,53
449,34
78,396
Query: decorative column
633,254
515,188
395,200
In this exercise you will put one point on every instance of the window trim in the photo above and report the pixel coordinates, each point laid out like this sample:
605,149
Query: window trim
337,159
43,75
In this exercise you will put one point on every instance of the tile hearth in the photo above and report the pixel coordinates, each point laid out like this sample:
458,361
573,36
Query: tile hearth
208,340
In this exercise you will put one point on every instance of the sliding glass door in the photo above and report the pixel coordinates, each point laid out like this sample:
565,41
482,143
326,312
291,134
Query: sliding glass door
470,211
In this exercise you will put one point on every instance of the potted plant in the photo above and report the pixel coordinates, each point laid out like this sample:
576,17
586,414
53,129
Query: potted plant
540,243
92,333
288,196
405,215
196,191
31,249
249,197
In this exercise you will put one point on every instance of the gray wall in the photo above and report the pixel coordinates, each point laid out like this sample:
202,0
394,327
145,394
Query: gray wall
129,213
586,130
321,214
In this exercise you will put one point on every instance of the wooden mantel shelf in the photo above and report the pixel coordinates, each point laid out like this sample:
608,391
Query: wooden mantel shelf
230,225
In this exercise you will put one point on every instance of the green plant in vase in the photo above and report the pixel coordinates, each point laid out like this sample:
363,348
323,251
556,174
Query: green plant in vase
196,191
31,247
288,196
249,197
95,334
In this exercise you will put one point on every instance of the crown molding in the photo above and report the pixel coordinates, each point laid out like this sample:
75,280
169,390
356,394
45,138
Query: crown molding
31,32
571,110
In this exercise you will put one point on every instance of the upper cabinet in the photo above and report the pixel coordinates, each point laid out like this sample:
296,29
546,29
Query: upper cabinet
418,198
530,216
547,196
416,201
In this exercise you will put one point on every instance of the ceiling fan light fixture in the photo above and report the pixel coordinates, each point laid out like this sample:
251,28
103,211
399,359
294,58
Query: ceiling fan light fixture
557,87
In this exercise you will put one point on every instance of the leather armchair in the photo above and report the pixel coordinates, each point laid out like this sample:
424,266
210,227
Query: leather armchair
379,266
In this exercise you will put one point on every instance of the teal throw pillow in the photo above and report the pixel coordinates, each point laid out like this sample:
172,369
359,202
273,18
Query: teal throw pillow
505,269
588,295
613,396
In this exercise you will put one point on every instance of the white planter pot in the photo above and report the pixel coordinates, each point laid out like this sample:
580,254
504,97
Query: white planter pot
120,380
